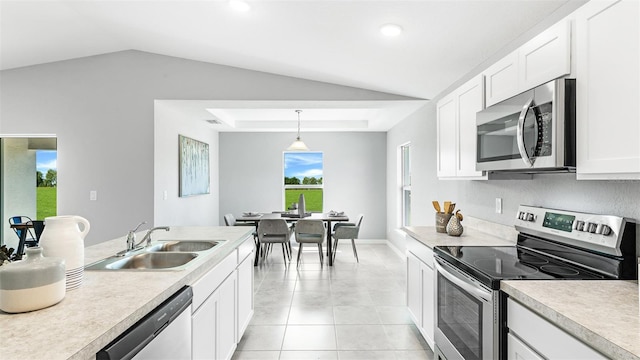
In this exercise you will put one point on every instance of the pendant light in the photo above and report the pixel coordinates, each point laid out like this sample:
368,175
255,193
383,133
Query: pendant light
298,145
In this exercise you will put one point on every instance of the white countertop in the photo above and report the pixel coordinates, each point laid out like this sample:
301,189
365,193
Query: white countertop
470,237
107,302
603,314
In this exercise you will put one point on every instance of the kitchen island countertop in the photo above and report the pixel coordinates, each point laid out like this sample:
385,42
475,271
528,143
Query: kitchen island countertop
603,314
108,302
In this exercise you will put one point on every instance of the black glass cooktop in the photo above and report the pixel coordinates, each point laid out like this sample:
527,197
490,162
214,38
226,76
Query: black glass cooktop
491,264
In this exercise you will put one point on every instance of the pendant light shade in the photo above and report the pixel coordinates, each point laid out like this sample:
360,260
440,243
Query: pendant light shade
298,145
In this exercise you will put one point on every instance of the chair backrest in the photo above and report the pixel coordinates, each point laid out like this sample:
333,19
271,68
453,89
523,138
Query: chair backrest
272,227
359,222
229,220
20,219
310,227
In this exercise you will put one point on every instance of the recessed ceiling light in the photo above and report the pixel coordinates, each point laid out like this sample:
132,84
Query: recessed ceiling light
239,5
390,30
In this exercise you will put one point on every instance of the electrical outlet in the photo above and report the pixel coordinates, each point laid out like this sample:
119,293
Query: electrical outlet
93,195
498,205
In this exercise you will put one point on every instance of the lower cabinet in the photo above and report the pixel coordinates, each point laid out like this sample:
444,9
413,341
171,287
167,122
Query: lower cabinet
222,306
421,290
532,337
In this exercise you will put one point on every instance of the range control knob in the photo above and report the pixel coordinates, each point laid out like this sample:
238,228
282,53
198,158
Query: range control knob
606,230
521,215
530,217
580,225
591,227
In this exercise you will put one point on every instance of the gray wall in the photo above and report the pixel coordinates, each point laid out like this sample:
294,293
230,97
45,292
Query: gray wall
251,174
102,110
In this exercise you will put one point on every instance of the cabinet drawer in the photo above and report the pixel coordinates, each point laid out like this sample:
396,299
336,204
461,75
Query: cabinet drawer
210,281
421,251
245,249
545,338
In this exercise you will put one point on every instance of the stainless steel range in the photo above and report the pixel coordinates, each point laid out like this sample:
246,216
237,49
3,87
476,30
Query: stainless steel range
552,245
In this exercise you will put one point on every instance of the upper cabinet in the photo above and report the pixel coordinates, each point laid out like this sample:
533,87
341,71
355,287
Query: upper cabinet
456,131
608,89
541,59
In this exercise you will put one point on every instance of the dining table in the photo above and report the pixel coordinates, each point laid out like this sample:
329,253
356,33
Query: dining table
328,218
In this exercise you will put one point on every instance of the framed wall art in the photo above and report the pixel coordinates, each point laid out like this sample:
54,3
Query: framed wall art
194,167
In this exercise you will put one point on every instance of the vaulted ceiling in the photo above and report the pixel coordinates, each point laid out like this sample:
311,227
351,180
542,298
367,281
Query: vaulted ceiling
332,41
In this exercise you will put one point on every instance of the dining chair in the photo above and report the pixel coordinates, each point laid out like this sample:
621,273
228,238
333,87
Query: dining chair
310,231
25,236
273,231
347,231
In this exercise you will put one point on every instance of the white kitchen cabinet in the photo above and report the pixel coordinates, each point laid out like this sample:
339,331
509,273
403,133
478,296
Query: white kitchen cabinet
223,304
245,288
502,79
608,89
226,336
517,350
420,288
543,58
213,318
456,131
446,137
204,322
542,338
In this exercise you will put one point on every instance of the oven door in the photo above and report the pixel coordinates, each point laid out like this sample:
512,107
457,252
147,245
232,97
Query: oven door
465,325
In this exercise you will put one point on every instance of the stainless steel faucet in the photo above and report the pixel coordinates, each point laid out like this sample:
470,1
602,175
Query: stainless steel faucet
131,237
147,236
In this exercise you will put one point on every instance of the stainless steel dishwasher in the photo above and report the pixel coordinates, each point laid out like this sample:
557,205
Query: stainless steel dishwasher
164,333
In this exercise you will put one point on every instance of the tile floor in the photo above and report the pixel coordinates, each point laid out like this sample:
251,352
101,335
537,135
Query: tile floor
348,311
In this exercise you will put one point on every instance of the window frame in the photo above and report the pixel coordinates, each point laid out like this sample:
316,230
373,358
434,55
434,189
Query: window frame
405,183
301,186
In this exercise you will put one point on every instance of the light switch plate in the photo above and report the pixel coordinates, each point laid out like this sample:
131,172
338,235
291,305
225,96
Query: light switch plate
93,195
498,205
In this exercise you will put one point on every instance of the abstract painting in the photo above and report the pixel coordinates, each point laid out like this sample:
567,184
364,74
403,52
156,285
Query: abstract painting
194,167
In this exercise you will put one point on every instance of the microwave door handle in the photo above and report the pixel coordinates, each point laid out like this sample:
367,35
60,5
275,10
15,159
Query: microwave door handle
520,132
464,284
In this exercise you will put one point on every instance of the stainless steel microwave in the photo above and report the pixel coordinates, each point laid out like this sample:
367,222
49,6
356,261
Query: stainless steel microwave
532,132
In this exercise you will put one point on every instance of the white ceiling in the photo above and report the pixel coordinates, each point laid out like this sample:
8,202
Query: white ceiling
334,41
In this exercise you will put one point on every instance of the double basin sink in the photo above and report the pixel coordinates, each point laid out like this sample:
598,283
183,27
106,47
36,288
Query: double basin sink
164,255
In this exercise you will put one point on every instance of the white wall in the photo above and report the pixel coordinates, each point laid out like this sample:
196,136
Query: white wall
18,184
251,174
101,109
200,210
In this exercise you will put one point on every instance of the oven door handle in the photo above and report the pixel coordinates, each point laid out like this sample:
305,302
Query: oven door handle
463,283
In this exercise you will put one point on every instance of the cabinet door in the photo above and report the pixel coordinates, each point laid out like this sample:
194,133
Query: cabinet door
469,100
608,89
446,137
204,328
545,57
501,79
245,295
226,336
516,350
414,289
428,304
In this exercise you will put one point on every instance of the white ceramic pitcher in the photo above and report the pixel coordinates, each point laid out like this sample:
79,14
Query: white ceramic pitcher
63,238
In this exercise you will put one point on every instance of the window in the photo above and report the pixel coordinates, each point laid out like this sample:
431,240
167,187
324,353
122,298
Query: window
405,188
303,174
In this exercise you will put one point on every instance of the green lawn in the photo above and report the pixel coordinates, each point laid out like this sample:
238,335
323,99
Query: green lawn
46,202
312,198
